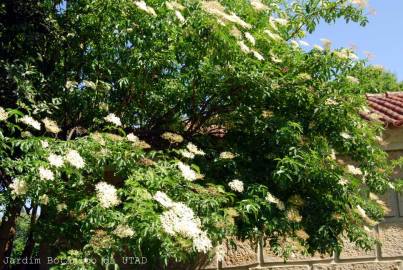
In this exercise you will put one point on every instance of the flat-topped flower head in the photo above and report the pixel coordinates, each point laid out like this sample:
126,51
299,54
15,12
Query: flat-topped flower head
143,6
227,155
74,159
187,154
56,160
258,5
236,185
132,138
18,187
51,126
112,118
3,114
106,195
46,174
187,172
354,170
172,137
123,231
270,198
29,121
194,149
163,199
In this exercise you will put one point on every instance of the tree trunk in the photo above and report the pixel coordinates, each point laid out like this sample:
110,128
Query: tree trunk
30,243
8,230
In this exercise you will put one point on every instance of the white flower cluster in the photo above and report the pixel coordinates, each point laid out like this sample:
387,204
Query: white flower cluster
132,138
61,206
188,173
112,118
143,6
74,158
55,160
180,219
194,149
51,126
270,198
44,199
18,187
46,174
354,170
216,9
352,79
123,231
3,114
227,155
163,199
236,185
107,195
257,5
29,121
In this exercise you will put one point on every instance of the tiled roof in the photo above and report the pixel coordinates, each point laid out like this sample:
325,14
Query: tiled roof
387,108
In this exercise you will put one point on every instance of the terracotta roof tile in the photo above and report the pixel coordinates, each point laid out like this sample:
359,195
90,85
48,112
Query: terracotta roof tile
387,108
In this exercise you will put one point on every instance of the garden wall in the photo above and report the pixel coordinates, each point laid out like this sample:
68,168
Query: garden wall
388,255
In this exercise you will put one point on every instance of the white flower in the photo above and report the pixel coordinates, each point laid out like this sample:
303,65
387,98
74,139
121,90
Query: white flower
132,138
107,195
250,38
180,219
187,154
227,155
236,185
202,243
18,187
327,44
259,6
352,79
275,59
281,21
345,135
273,36
360,211
55,160
294,44
317,47
51,126
44,199
270,198
3,114
143,6
46,174
112,118
391,185
44,144
123,231
215,8
360,3
257,55
220,253
61,206
74,158
354,170
304,43
163,199
194,149
29,121
343,181
179,15
243,46
333,154
187,172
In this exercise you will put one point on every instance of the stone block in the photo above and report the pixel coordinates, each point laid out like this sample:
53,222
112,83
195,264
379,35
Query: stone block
269,256
243,254
290,267
359,266
390,200
391,237
351,251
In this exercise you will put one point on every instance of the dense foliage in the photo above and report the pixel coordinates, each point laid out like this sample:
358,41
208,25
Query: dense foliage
169,129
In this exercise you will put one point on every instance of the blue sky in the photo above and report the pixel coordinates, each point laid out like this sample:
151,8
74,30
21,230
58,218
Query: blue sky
383,35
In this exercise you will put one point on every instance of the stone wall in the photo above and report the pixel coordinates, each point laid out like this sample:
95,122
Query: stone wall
388,255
